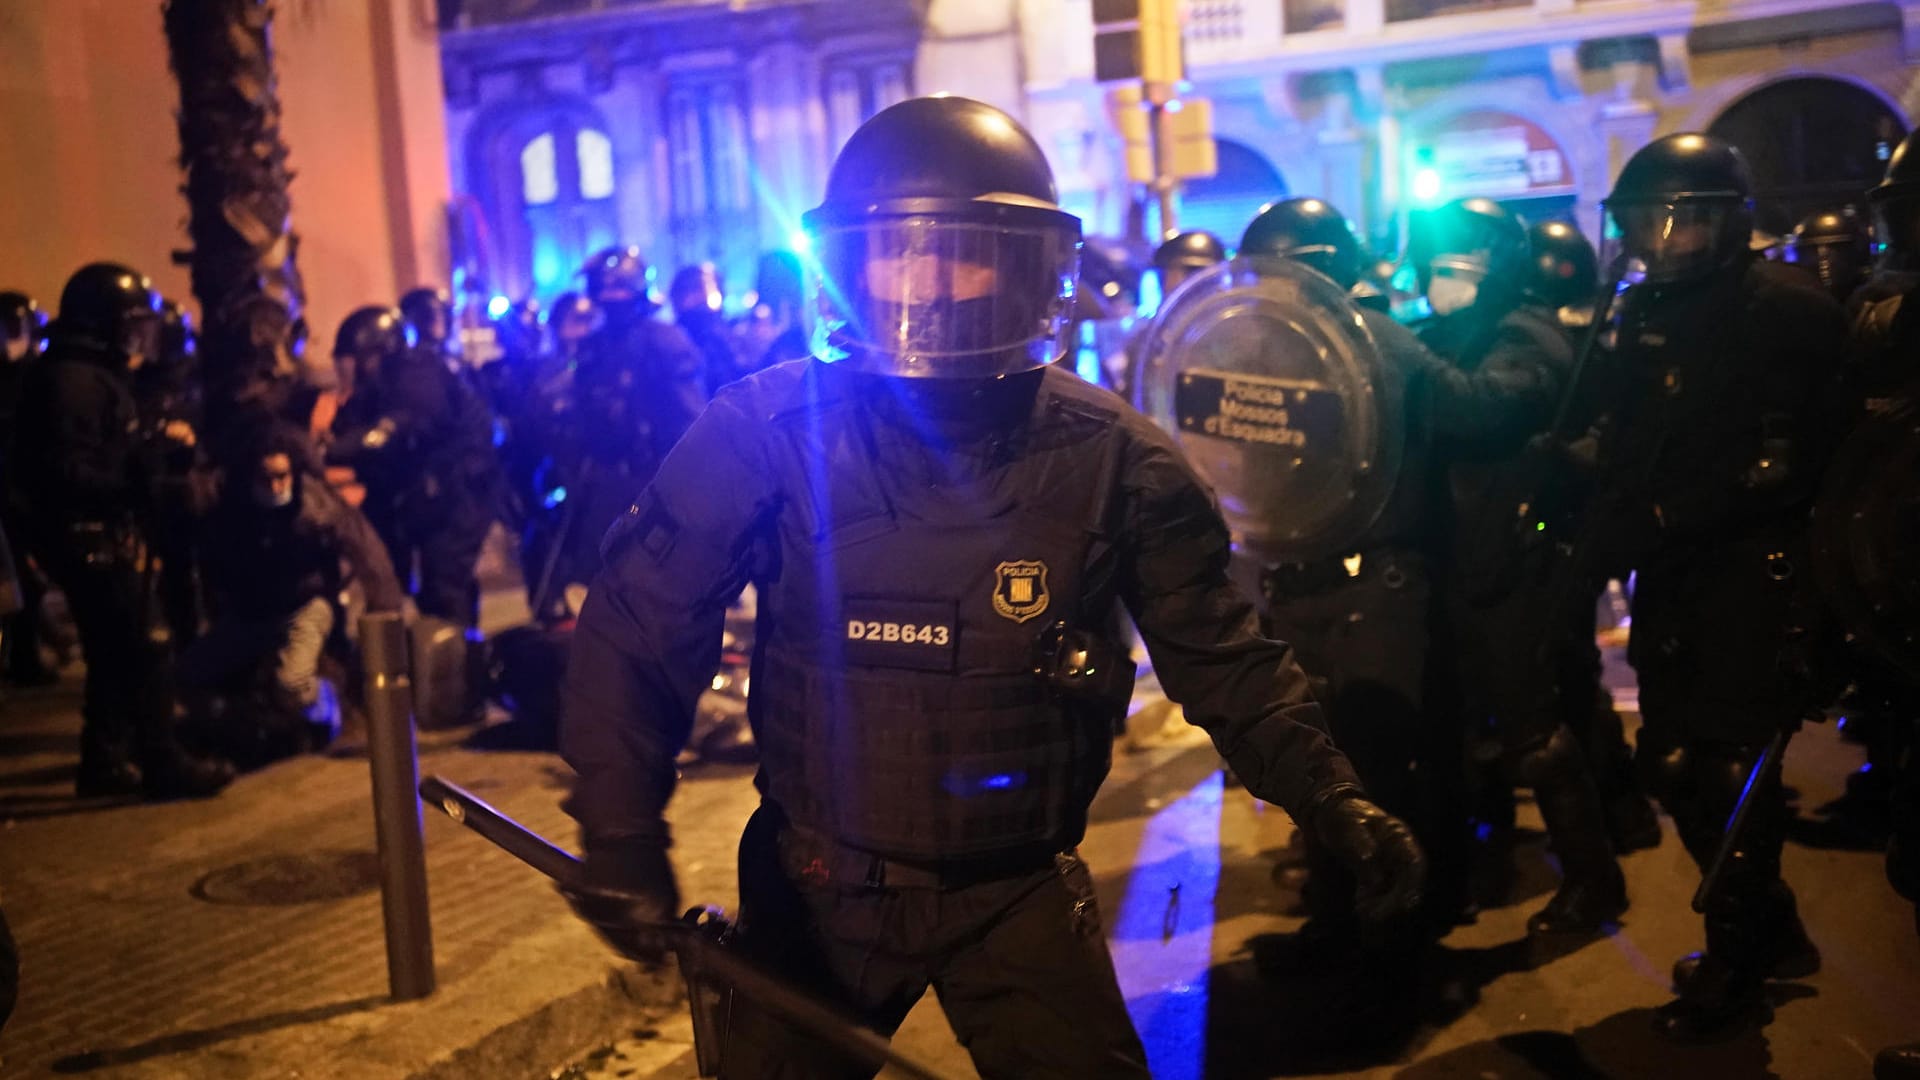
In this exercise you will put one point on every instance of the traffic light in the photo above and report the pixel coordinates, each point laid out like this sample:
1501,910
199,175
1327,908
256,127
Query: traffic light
1137,39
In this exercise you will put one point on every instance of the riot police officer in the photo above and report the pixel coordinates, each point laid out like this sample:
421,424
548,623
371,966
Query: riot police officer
23,327
1715,425
166,392
637,386
78,468
697,302
1886,326
1358,614
428,310
1184,254
421,440
1564,275
774,328
1563,271
1508,616
939,526
1833,245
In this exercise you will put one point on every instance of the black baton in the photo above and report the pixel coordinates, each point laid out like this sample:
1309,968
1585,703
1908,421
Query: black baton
1757,780
691,940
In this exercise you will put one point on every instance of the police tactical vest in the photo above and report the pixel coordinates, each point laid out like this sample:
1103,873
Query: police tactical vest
899,708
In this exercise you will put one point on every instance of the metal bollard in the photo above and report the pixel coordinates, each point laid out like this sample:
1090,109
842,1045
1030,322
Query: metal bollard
396,807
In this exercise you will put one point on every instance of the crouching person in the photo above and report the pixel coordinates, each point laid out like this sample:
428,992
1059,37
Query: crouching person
276,547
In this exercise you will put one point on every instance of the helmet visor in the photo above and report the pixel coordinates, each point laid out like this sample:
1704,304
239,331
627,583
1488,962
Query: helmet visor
1675,240
933,297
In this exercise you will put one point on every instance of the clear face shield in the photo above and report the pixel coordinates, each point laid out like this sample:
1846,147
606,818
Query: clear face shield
1675,241
931,297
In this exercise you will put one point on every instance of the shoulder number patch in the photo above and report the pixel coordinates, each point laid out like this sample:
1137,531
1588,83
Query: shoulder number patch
1020,590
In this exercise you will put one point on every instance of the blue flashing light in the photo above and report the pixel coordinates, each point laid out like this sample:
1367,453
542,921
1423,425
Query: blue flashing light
497,307
999,782
555,497
800,242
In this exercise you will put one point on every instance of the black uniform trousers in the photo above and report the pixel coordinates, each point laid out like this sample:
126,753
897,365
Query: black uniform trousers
128,709
1018,961
1364,632
447,534
1719,640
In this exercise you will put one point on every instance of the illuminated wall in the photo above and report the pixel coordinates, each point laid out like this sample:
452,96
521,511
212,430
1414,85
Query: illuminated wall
88,105
1383,106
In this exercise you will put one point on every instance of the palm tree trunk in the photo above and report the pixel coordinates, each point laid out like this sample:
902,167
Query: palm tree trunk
239,210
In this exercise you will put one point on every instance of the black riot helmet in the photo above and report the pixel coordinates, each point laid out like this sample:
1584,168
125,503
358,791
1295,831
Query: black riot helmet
943,250
1310,231
1185,254
1562,268
112,308
22,325
373,331
619,277
1835,247
696,290
1683,206
430,312
1896,207
1467,252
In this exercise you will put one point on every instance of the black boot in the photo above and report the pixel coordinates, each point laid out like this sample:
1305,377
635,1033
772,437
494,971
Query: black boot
1783,949
1593,891
104,774
1632,823
1721,1000
175,774
1897,1063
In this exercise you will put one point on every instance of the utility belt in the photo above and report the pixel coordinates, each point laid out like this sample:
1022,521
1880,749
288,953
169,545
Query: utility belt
817,860
1298,580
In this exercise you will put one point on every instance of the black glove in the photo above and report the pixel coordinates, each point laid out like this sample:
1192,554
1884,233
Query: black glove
627,894
1388,867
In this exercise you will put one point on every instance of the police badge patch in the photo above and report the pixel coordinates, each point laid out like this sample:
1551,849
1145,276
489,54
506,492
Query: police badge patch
1020,590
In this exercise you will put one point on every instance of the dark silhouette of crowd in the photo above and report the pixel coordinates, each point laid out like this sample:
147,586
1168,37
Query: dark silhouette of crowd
212,583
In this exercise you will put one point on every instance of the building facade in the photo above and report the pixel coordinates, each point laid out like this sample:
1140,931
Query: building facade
1385,106
697,130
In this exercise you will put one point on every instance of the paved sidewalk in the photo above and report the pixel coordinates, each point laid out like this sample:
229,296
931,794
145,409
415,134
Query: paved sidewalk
142,958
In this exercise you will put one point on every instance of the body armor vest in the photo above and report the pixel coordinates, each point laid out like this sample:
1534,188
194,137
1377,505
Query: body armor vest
899,710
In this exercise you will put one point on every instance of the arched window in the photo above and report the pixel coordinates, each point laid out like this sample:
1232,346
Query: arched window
546,177
1815,144
1223,203
539,179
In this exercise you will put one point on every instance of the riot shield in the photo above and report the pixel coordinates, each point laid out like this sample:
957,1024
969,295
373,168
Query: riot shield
1866,535
1266,375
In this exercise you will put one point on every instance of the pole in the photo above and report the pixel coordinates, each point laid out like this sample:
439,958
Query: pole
396,807
1158,96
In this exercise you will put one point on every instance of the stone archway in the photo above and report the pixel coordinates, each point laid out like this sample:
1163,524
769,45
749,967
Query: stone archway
1815,143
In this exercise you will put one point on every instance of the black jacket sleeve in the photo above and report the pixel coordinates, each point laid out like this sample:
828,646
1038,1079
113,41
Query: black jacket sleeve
1245,691
648,639
1488,410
